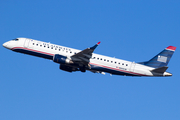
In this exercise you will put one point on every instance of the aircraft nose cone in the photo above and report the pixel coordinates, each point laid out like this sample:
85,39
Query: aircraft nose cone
5,44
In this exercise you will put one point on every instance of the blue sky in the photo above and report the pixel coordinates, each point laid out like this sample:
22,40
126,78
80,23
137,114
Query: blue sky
35,88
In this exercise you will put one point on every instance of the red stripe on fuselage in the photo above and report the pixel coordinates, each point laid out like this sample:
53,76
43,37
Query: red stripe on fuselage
32,50
119,70
90,63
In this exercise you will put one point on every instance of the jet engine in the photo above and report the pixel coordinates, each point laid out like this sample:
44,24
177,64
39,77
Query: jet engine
62,59
67,68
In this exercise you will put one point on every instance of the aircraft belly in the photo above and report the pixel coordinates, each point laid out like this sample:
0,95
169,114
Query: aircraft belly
111,69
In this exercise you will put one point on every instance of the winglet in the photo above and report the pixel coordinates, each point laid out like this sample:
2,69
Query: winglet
94,47
171,48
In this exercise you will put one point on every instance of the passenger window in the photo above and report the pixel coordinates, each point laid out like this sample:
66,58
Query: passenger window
101,58
123,64
104,59
33,43
126,64
98,58
111,61
114,62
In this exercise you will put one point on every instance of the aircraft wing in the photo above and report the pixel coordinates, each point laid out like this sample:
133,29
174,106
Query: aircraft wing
84,55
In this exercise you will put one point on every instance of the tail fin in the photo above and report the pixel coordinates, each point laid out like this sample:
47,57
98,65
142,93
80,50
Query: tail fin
162,59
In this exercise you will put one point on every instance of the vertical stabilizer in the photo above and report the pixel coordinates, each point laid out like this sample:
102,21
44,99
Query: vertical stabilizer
162,59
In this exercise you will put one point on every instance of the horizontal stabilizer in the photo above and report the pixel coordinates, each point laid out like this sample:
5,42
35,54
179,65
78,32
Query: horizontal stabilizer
160,70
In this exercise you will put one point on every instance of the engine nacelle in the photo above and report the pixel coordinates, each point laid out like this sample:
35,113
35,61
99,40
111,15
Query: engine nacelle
67,68
61,59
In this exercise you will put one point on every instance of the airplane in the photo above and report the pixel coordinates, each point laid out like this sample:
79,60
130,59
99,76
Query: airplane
72,60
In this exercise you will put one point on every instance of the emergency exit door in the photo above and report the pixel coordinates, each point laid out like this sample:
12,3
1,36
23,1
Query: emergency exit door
26,43
133,64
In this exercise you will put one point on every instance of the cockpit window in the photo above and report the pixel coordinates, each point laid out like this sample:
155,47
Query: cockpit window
15,39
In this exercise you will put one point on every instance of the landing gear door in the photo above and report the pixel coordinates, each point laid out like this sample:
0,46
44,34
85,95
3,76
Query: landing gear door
133,64
26,43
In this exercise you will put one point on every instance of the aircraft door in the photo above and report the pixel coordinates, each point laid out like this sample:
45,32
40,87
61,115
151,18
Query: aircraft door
26,43
133,64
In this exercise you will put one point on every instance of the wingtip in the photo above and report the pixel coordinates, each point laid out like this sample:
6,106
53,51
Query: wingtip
98,43
171,48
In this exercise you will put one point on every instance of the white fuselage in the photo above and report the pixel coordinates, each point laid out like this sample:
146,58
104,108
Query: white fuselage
98,63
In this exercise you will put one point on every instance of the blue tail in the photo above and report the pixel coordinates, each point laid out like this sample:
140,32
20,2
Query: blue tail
162,59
